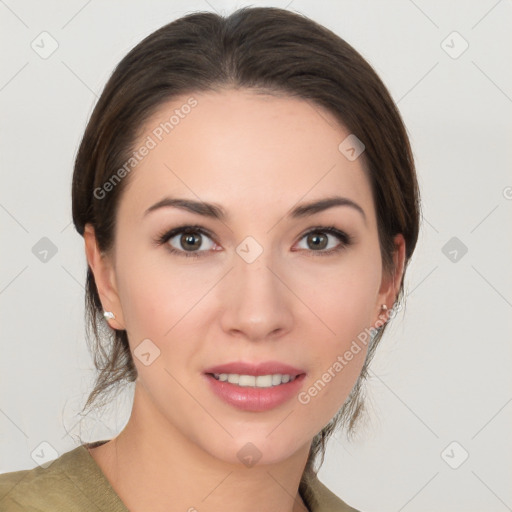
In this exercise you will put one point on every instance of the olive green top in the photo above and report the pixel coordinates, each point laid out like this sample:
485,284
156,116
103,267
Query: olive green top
75,483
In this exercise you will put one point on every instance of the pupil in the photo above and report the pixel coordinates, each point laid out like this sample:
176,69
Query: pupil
316,238
189,240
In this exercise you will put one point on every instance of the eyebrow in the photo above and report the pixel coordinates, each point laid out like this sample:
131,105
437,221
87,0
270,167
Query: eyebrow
215,211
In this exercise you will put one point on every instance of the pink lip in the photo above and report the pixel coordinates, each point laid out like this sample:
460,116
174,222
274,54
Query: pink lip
264,368
248,398
255,399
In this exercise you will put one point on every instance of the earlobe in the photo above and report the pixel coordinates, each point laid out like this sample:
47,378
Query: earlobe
391,283
103,271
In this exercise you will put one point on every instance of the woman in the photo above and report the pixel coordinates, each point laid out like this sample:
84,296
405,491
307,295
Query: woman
247,195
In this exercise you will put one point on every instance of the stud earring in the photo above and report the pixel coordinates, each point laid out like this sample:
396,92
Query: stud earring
383,309
109,315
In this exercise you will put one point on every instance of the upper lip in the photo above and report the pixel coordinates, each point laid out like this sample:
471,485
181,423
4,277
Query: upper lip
263,368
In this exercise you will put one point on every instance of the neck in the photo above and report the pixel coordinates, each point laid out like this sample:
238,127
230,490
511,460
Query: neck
152,466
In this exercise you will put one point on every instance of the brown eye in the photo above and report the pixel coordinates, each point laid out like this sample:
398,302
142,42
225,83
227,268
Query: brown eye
190,241
317,241
322,240
187,241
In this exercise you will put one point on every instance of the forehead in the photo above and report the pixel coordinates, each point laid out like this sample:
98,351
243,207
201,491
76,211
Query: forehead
243,150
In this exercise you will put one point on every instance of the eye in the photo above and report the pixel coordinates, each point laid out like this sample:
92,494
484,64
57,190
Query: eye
322,240
195,241
188,241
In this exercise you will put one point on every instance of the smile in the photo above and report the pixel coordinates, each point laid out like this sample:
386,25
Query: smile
260,381
255,393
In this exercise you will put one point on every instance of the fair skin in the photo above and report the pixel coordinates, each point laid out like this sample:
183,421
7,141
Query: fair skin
258,157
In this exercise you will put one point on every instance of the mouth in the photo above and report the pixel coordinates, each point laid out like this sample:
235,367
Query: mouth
264,374
255,381
255,387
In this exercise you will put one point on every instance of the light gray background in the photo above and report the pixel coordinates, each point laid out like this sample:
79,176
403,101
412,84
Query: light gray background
442,373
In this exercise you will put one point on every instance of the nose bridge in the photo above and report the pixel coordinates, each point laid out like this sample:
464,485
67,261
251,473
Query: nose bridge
256,305
255,278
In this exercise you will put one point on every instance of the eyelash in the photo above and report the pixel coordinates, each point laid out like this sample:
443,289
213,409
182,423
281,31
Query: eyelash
164,237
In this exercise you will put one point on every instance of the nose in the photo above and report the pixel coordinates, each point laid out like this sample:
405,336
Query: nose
257,305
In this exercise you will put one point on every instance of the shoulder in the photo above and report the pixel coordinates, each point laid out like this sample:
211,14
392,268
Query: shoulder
24,490
70,482
42,487
320,498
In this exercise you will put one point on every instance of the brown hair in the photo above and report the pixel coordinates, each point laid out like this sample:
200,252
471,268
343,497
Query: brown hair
267,50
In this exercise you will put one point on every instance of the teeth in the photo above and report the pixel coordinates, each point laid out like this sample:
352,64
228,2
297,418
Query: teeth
233,379
260,381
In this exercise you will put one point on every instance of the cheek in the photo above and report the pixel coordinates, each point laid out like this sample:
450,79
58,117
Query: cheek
156,292
160,301
338,361
341,294
344,301
330,382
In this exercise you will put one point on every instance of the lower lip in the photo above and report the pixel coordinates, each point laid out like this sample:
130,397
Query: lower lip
255,399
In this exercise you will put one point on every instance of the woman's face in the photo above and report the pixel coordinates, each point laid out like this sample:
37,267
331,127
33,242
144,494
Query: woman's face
259,284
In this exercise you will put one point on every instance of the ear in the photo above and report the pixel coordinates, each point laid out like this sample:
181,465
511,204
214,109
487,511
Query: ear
104,276
390,283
